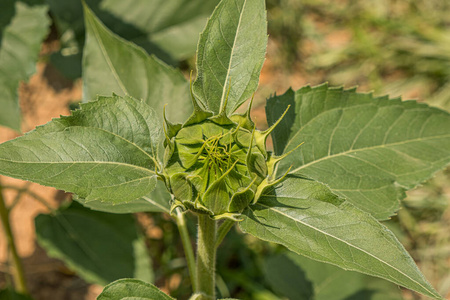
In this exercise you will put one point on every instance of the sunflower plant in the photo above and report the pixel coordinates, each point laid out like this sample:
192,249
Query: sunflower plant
340,165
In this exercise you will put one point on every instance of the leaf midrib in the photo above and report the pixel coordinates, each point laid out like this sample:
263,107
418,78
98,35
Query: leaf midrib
78,162
343,241
367,148
225,86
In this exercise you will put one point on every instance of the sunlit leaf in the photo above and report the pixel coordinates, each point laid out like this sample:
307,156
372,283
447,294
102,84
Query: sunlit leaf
132,289
308,219
368,150
112,64
230,54
104,152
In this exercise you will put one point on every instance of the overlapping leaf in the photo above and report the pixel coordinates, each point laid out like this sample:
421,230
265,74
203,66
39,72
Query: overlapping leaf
20,42
111,64
297,277
105,151
157,201
368,150
167,29
132,289
100,247
230,54
308,219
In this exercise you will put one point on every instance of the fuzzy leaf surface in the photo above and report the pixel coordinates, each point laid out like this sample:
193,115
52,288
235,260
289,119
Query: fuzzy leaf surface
132,289
157,201
308,219
100,247
102,152
20,43
230,54
106,69
368,150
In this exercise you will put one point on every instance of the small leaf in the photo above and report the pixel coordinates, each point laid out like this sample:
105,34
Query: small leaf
303,216
95,158
132,289
367,150
230,54
20,43
100,247
106,69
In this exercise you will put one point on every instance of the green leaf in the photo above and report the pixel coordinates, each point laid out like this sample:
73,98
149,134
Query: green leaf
167,29
170,27
9,294
132,289
308,219
230,54
103,152
111,64
287,279
20,43
100,247
157,201
368,150
319,281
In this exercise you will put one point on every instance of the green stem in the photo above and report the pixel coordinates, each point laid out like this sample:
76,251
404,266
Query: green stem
223,230
32,194
17,268
206,257
187,246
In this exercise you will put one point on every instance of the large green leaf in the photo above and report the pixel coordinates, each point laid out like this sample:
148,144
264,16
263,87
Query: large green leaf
308,219
111,64
168,29
368,150
132,289
22,29
230,54
105,151
297,277
100,247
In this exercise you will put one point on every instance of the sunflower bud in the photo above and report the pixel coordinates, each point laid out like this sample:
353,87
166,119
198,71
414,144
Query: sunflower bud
217,165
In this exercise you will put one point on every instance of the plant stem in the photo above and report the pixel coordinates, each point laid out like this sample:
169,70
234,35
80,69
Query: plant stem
206,257
32,194
223,230
17,268
187,246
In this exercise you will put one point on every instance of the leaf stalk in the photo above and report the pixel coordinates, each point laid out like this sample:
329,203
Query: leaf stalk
187,246
16,263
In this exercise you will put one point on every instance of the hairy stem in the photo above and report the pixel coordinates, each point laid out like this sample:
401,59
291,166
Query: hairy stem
206,257
16,264
187,246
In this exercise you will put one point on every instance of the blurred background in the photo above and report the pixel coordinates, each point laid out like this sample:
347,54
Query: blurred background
400,48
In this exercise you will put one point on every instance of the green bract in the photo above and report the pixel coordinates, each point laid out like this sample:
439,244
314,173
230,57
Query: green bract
217,165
